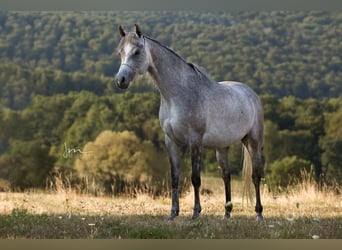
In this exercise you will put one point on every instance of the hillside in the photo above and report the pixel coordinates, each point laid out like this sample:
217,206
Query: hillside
280,53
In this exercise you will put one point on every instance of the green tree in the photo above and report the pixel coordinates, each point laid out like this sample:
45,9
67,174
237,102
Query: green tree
29,164
331,145
310,121
272,142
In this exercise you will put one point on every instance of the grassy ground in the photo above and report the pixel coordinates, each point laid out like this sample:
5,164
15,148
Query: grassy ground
302,213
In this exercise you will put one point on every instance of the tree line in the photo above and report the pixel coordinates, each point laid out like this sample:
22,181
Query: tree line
118,137
61,112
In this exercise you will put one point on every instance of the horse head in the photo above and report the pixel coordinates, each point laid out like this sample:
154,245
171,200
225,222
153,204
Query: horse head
134,57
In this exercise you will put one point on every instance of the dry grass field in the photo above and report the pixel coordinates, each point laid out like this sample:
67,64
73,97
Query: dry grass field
303,212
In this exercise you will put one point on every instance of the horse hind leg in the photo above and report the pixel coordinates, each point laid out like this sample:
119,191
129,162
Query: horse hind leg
196,161
253,150
222,158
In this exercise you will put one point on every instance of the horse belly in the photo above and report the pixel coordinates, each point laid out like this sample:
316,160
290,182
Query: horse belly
221,139
224,132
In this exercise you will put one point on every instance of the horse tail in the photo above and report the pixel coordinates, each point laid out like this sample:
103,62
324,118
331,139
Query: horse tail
247,176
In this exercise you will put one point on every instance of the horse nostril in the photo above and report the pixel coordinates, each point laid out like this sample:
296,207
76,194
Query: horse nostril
118,80
122,80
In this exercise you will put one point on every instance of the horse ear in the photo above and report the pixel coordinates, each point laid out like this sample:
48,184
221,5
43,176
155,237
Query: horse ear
122,32
137,30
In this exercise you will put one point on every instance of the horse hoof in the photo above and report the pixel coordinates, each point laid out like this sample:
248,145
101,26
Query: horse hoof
195,216
226,217
196,213
173,215
259,217
171,218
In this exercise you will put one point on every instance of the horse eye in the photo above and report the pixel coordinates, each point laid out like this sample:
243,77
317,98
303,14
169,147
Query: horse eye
136,52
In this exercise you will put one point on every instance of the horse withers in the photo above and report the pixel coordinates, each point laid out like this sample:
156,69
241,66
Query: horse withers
198,112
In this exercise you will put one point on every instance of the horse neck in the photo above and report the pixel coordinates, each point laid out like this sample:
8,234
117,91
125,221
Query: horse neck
168,70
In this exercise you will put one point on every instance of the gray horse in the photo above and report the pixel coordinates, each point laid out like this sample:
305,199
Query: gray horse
198,112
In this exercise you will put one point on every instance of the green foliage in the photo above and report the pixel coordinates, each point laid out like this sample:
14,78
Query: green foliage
292,53
293,127
210,165
272,142
331,143
28,164
286,168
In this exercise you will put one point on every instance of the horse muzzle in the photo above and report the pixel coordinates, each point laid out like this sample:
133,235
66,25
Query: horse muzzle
121,82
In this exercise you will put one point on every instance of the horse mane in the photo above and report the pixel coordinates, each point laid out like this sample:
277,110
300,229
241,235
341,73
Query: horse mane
201,74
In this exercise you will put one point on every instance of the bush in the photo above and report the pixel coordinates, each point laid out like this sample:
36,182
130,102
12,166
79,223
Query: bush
283,170
117,160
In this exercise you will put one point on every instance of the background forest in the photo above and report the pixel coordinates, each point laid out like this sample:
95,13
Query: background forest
62,115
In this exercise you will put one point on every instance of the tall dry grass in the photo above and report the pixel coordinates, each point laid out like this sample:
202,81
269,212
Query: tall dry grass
300,199
301,211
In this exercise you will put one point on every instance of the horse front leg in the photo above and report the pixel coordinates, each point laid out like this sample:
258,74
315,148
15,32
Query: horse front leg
174,158
196,161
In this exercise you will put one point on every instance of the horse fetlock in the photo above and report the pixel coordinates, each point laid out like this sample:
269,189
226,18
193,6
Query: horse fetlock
229,206
258,209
